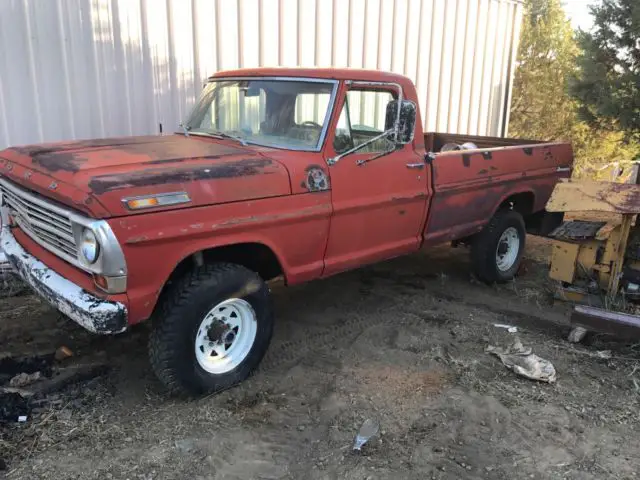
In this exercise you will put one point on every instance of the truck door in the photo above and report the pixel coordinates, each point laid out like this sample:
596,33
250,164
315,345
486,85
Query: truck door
379,199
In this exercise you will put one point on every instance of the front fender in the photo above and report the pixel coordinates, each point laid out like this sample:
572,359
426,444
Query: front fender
295,229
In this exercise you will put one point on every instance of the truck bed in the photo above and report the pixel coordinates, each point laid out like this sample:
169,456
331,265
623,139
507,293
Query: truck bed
434,141
470,185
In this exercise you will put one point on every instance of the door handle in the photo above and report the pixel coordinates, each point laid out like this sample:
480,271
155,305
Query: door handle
415,165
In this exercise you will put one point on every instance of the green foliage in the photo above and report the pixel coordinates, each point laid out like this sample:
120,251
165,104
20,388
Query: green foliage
600,152
542,107
546,60
608,80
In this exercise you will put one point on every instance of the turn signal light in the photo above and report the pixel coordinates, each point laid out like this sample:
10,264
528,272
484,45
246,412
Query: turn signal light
101,281
111,285
159,200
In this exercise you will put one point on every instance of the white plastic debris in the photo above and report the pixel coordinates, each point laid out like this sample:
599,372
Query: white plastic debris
23,379
22,418
577,334
522,361
508,328
368,430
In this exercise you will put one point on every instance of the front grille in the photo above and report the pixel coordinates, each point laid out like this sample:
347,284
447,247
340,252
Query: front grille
45,223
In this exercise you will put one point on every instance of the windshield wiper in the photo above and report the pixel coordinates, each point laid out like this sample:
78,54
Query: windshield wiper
185,129
228,135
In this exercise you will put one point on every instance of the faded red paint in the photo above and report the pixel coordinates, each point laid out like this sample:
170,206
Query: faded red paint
317,219
105,171
471,185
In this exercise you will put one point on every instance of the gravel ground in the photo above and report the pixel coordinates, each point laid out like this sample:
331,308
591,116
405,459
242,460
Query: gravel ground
401,342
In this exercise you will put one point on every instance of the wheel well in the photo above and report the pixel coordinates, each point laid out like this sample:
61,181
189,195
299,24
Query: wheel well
255,256
520,202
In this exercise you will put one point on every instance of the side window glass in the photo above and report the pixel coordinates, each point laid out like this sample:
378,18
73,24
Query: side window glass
342,139
363,118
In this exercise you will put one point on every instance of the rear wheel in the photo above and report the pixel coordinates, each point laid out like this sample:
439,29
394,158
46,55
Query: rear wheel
212,330
497,250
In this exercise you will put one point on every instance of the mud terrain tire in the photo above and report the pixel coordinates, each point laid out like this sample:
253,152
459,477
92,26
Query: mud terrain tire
506,229
178,323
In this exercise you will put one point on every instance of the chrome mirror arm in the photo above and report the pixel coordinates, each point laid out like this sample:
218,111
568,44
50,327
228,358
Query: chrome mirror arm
334,160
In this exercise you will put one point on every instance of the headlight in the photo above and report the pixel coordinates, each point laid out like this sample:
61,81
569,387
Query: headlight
89,246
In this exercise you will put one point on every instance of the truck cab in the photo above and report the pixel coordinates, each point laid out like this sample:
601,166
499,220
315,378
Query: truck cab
299,173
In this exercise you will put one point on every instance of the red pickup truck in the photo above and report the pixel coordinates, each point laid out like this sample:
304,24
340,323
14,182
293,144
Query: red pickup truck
299,173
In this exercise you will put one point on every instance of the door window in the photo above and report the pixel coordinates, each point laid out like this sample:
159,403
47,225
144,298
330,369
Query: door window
362,118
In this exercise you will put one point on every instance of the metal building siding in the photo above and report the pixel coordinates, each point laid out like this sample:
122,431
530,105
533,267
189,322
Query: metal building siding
95,68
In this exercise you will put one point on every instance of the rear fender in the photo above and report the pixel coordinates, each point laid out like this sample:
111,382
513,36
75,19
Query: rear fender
537,220
505,199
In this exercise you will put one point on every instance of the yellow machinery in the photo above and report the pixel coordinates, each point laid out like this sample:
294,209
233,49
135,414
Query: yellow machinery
596,261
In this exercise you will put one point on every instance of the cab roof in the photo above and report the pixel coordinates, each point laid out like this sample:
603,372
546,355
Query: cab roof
328,73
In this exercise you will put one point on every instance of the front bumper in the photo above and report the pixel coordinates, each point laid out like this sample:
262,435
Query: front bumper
5,266
93,313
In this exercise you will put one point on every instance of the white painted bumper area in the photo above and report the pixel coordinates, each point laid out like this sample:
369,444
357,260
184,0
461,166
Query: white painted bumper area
5,266
93,313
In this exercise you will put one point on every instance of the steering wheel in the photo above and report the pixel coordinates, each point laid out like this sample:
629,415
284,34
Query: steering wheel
309,123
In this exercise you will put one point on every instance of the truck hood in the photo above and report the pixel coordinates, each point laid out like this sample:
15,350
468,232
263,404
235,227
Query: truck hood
104,171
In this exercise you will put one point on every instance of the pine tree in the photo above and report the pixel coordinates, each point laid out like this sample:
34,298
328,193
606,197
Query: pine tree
608,80
542,106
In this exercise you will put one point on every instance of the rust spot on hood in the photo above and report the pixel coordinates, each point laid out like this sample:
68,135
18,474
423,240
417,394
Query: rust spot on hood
100,153
53,160
161,176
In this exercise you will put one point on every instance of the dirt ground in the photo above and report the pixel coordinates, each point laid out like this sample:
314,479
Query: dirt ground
401,342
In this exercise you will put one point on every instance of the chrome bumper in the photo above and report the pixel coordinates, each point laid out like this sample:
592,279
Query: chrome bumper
5,266
93,313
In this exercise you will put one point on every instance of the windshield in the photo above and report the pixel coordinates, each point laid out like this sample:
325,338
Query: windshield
291,114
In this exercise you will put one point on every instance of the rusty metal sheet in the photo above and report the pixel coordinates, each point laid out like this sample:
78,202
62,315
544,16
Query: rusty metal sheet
588,196
563,261
606,321
605,232
577,230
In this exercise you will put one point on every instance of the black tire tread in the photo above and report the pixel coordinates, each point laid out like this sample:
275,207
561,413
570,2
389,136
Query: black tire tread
167,329
483,245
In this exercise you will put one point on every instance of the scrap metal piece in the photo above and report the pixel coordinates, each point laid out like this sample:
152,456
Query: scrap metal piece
617,265
577,230
588,196
563,261
605,232
606,321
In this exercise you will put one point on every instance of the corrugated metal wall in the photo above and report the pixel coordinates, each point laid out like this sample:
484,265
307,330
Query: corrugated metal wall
95,68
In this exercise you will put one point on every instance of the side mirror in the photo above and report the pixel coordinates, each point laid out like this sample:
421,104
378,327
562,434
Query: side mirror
407,120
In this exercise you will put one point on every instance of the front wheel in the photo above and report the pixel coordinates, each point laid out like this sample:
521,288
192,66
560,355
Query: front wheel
212,330
497,250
